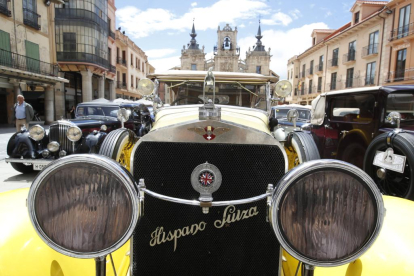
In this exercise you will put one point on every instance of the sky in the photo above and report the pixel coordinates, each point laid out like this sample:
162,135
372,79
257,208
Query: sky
161,28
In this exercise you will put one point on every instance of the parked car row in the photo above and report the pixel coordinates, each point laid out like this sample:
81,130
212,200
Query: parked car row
223,192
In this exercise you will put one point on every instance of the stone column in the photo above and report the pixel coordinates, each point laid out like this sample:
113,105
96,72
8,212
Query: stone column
86,86
49,105
112,93
101,87
16,89
60,98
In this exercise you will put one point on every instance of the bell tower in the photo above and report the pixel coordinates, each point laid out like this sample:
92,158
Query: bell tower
192,57
226,52
258,59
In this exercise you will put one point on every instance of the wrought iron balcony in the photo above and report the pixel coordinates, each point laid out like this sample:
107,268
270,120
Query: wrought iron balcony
401,75
31,18
82,57
121,85
309,72
370,80
5,7
334,86
112,68
349,57
319,68
353,82
121,61
369,50
24,63
402,31
333,62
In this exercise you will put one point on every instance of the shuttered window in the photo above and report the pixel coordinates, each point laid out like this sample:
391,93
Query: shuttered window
5,53
32,57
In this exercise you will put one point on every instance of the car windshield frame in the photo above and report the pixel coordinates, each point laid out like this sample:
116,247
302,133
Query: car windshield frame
396,101
300,110
107,111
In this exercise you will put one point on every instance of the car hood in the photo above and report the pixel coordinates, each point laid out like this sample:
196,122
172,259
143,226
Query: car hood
247,117
87,122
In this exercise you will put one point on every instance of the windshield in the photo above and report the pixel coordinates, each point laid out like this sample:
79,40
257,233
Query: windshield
86,110
282,113
402,103
226,94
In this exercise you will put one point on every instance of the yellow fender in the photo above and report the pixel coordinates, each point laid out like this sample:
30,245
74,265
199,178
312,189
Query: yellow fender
23,253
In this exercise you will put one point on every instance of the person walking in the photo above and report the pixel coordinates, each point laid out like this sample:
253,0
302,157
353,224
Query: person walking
23,113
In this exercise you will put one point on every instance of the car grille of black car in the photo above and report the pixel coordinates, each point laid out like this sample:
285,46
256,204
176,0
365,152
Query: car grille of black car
244,247
57,133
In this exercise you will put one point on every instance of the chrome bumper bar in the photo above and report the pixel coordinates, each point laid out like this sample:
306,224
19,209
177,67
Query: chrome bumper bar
28,161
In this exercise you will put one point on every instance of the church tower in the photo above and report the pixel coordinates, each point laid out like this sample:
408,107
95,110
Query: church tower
226,53
258,59
192,58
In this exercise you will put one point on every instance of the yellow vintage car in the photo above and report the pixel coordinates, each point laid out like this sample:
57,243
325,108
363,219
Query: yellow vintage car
213,189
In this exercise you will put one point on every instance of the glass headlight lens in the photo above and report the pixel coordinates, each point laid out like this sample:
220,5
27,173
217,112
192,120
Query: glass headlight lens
74,133
37,132
53,146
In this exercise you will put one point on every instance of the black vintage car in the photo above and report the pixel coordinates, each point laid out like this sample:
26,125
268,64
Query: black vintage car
33,149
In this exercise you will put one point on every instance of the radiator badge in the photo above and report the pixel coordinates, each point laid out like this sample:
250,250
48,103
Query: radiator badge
206,179
209,132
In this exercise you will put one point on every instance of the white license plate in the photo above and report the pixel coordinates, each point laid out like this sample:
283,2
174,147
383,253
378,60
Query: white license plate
38,167
390,161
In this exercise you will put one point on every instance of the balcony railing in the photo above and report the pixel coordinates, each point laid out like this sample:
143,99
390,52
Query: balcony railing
81,14
121,61
353,82
303,91
349,57
333,62
30,18
319,68
369,50
402,31
111,34
24,63
302,74
334,86
369,80
121,85
401,75
82,57
112,68
309,72
5,7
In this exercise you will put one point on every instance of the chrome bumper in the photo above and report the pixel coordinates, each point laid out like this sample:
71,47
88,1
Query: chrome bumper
28,161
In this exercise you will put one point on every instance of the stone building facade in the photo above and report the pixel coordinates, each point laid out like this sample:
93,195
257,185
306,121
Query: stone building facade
227,54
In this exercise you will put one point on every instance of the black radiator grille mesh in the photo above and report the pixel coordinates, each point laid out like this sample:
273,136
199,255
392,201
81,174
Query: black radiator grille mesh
243,247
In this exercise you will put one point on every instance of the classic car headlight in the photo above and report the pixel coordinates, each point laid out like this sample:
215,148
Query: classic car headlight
84,206
53,146
37,132
307,127
326,212
74,133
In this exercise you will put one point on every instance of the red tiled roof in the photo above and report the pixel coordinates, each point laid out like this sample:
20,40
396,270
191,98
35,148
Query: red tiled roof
373,2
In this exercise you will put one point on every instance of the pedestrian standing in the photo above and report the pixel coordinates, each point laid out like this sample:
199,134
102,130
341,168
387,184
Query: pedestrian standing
23,113
72,112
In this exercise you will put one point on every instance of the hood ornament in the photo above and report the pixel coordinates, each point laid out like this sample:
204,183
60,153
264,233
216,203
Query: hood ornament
209,132
209,111
206,179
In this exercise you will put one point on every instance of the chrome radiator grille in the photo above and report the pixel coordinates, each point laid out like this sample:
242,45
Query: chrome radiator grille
57,133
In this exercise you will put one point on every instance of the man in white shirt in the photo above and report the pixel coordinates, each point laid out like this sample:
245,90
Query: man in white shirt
23,113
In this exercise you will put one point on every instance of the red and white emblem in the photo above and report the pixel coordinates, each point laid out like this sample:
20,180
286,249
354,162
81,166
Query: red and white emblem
206,178
209,132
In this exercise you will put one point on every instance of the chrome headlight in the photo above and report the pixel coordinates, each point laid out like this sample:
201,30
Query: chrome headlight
74,133
326,212
53,146
37,132
307,127
84,206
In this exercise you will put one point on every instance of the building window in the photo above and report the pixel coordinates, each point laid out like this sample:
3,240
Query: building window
303,70
333,81
139,64
311,67
136,82
136,62
370,76
373,43
258,69
132,59
319,84
313,41
143,67
69,42
310,87
291,73
349,77
404,21
335,53
400,66
356,18
351,50
302,89
132,81
320,66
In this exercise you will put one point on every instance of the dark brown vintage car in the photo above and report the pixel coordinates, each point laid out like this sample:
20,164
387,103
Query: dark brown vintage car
354,125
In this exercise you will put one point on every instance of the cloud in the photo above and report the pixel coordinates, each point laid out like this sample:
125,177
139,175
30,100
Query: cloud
193,4
298,40
160,53
328,13
312,5
164,64
155,20
242,26
295,14
278,18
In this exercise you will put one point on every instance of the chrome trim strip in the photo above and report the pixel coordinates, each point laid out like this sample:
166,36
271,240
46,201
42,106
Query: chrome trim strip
198,203
28,161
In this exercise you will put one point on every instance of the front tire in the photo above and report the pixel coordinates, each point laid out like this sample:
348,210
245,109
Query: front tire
300,148
393,183
20,167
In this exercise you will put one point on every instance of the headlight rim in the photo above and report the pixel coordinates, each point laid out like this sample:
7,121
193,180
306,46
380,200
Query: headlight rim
43,129
74,140
305,169
125,177
53,142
